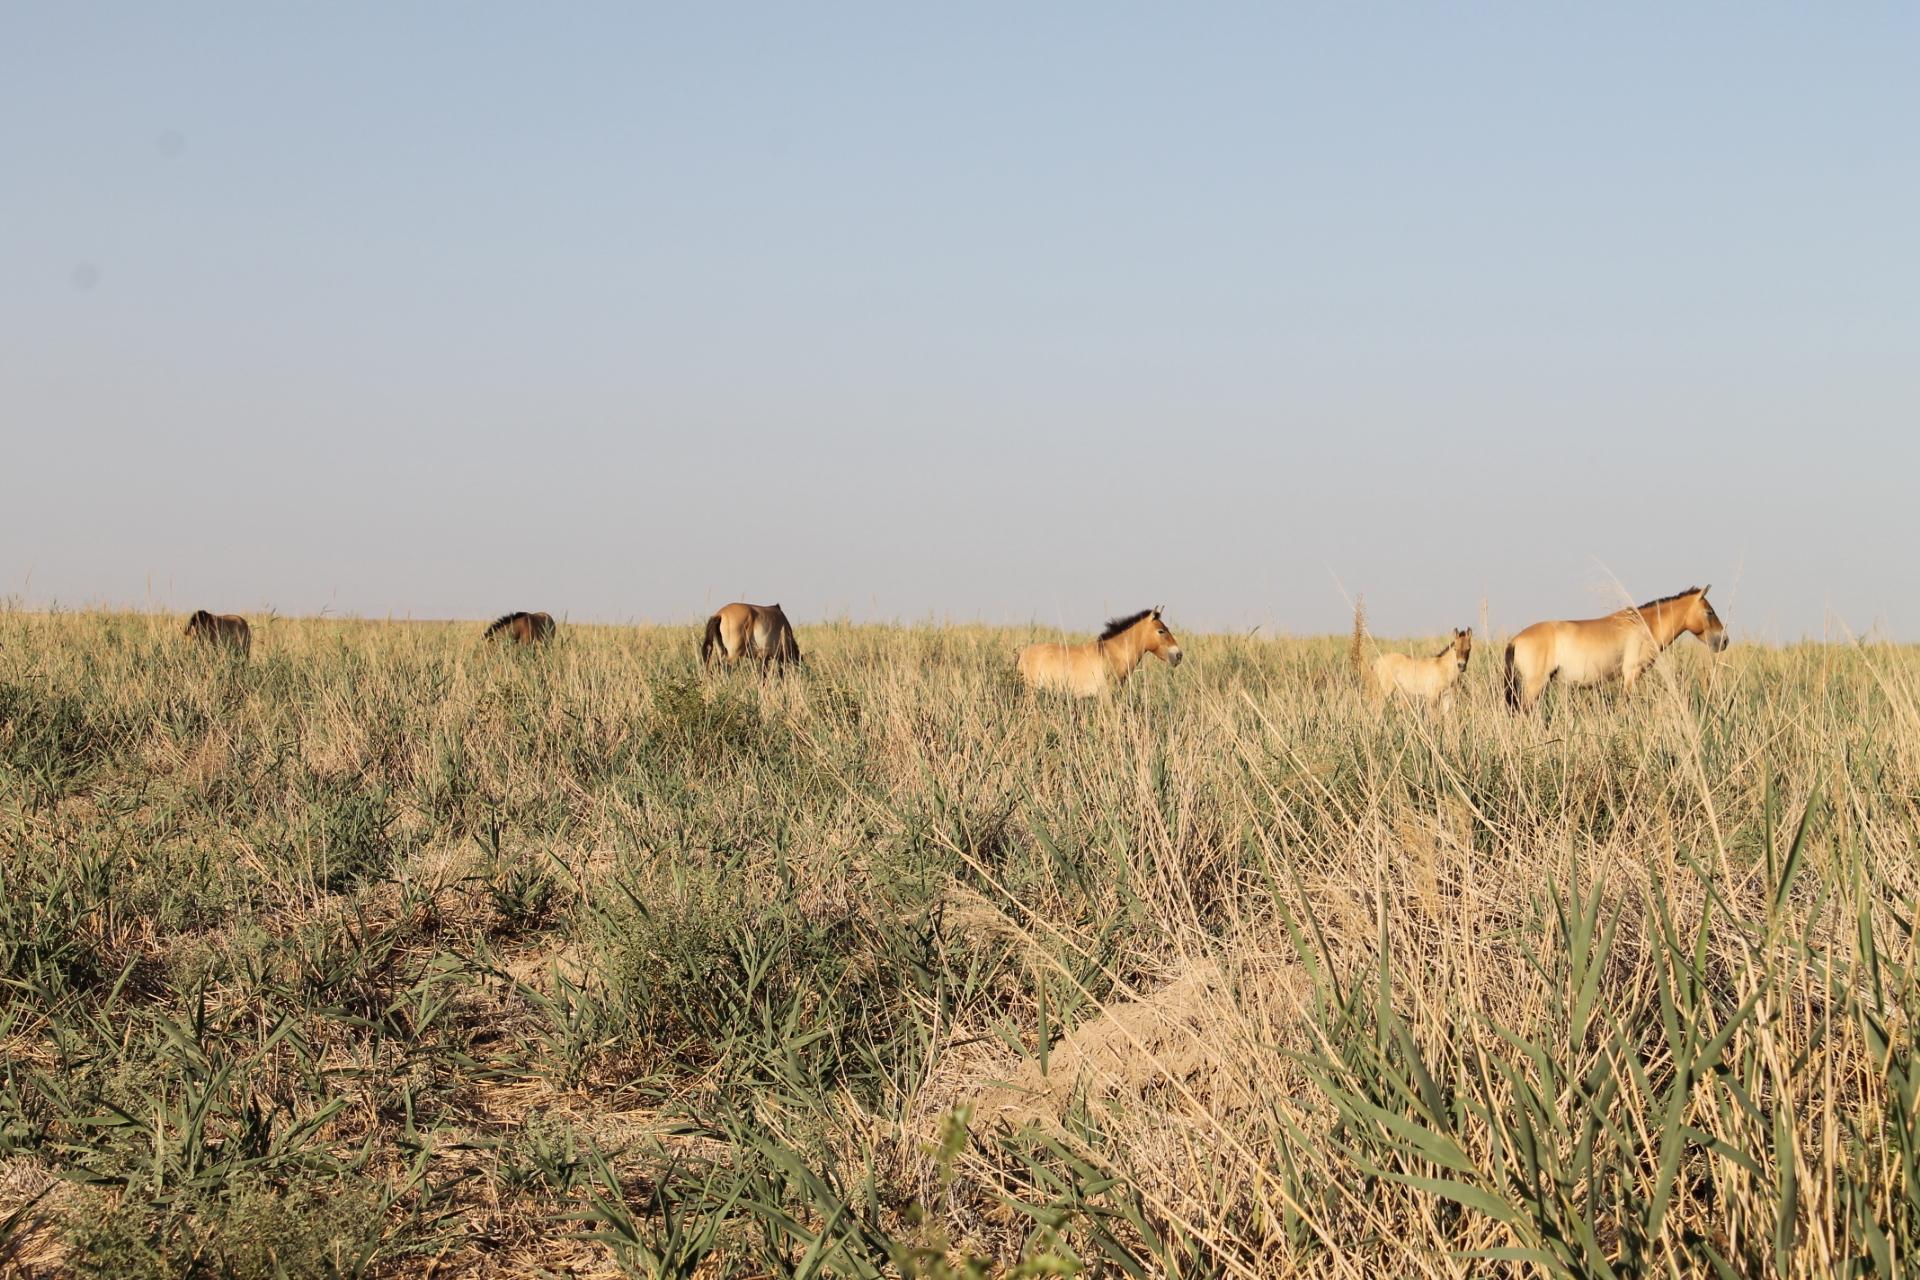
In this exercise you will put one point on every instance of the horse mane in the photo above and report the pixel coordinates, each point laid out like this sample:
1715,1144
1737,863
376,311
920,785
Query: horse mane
1116,625
1678,595
504,620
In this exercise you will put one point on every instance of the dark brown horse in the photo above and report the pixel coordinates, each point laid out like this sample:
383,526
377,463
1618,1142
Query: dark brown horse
522,627
221,630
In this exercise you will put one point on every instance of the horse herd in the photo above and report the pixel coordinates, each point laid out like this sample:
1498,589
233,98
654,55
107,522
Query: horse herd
1584,651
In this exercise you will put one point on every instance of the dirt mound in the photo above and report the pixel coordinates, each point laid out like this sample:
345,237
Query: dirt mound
1177,1045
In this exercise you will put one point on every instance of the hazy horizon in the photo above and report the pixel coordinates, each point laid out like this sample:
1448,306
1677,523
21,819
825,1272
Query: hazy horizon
1023,315
1602,599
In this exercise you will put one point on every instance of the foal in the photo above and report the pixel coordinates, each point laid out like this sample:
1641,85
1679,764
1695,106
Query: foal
1428,680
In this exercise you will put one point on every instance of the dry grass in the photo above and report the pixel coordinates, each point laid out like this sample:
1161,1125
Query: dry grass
387,952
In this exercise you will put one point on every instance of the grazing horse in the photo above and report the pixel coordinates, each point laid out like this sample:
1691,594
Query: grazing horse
1592,650
522,627
749,631
221,630
1087,669
1427,680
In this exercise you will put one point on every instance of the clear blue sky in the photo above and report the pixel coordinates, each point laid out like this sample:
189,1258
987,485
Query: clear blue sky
1022,312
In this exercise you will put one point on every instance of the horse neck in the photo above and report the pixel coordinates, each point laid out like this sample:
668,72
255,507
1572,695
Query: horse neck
1665,622
1124,651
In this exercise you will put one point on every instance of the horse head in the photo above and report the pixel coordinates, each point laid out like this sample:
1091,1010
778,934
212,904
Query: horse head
1160,641
1705,623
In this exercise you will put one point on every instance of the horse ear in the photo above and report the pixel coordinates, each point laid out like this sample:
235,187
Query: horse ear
1705,589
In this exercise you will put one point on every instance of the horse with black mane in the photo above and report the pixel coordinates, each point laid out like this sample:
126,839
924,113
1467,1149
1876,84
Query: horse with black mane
1084,670
1593,650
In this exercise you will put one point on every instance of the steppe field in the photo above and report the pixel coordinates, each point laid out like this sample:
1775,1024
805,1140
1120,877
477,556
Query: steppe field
391,953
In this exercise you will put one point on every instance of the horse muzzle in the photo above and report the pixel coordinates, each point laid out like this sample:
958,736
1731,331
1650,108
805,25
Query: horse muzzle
1718,641
1173,656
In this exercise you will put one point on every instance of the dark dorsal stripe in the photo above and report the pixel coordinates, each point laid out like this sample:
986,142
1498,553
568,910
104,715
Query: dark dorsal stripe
1116,625
1678,595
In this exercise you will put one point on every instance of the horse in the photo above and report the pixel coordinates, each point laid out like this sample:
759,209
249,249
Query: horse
1427,680
1084,670
749,631
222,630
1592,650
522,627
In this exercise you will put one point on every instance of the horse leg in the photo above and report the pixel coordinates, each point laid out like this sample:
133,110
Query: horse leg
1632,665
1532,688
1379,684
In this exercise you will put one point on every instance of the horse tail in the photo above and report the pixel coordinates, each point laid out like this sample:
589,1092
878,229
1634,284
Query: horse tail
711,640
502,622
1513,683
1357,651
787,644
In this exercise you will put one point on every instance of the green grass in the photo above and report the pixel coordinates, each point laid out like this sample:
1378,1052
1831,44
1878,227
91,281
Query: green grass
389,949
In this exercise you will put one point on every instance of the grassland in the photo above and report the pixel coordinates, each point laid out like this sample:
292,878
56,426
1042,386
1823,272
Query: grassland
387,953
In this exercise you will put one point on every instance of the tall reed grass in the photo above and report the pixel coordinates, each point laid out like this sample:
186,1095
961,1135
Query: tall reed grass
389,950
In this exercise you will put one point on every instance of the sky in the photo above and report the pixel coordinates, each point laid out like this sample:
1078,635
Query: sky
1012,313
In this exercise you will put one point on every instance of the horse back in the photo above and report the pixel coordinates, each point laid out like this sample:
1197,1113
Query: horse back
1078,669
744,629
1579,651
223,629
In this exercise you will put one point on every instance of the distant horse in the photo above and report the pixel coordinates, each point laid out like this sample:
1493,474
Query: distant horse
1427,680
522,627
1624,643
221,630
749,631
1087,669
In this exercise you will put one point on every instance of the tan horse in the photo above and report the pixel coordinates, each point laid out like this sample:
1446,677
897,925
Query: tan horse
522,627
1425,680
749,631
1084,670
222,630
1593,650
